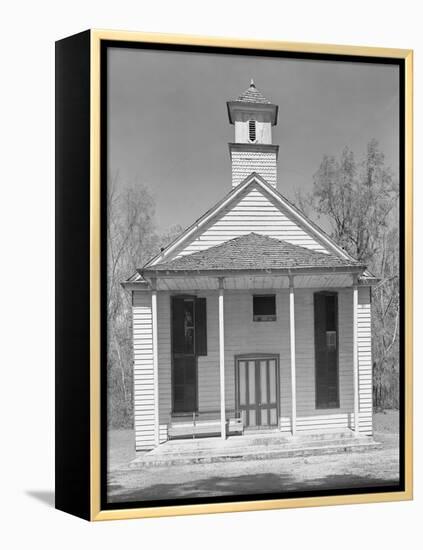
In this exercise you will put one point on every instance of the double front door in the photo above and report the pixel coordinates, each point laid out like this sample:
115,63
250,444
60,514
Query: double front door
257,388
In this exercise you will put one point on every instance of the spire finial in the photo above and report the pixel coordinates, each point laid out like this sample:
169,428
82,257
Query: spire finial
252,83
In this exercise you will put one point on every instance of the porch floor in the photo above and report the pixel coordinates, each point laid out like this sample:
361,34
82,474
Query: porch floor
253,446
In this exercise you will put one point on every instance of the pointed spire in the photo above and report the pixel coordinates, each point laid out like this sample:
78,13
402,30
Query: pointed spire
252,95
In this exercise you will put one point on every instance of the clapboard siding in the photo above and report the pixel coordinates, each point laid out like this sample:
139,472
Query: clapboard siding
364,327
254,212
319,422
164,359
143,371
208,365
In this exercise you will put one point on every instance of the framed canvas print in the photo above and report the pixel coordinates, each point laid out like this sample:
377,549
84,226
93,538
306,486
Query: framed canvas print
234,278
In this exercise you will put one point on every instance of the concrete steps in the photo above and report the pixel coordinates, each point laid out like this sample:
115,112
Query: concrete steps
251,439
252,447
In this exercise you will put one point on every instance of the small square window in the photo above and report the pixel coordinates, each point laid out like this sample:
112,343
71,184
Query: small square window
264,307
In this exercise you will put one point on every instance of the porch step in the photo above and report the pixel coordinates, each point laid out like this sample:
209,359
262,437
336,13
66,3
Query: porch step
221,452
253,439
249,439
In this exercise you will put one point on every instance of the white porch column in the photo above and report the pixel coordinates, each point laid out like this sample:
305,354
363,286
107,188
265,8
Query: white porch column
155,362
292,348
355,357
222,361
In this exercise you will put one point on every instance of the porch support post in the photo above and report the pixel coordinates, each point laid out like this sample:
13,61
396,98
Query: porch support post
222,361
155,361
355,357
292,348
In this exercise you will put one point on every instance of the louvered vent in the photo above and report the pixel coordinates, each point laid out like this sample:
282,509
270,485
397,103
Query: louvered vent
252,130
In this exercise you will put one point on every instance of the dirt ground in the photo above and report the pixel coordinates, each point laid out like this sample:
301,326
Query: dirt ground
373,468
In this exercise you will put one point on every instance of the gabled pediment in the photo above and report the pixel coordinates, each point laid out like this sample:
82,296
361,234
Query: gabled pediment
252,206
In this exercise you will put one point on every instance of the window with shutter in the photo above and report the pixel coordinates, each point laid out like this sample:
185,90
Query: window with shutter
326,349
189,340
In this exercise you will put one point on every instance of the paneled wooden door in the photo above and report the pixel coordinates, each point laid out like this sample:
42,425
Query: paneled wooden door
257,391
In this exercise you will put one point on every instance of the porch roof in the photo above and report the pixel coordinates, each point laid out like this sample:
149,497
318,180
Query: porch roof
253,252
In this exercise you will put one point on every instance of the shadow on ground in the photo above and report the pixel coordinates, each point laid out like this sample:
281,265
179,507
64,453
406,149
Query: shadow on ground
46,497
241,485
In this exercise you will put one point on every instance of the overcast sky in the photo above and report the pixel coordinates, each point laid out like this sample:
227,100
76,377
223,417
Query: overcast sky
169,129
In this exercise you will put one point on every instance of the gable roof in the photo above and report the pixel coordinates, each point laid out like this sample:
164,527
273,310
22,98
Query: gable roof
252,95
232,196
254,252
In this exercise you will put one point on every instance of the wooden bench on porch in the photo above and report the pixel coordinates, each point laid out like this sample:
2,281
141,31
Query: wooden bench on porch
203,424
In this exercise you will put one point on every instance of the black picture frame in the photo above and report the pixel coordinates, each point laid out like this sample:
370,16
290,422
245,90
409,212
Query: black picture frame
81,158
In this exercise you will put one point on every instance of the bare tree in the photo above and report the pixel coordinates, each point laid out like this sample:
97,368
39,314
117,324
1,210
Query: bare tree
132,239
357,199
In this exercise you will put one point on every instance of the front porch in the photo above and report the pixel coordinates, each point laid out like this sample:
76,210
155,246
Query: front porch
224,351
256,375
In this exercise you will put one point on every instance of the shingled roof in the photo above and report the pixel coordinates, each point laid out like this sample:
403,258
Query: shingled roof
251,252
252,95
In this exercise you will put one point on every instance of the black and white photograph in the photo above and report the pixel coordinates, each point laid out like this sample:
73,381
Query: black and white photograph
253,249
211,290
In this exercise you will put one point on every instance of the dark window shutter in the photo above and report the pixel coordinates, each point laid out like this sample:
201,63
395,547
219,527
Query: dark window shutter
201,326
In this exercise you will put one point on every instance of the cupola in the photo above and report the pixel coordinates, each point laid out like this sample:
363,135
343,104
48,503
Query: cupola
252,151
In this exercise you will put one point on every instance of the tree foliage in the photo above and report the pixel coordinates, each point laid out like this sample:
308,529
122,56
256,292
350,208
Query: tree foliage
359,200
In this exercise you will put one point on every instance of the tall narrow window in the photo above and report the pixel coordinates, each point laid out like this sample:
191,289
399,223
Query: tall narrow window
189,340
252,130
326,352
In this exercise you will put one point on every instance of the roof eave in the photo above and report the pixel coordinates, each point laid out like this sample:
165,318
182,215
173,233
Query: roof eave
259,147
175,273
132,284
250,105
369,281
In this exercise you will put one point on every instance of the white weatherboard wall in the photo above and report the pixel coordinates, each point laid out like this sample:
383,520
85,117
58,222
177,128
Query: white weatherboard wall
143,371
365,375
164,340
243,335
253,212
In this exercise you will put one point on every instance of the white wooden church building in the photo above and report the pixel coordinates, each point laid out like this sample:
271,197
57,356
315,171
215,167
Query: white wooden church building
253,318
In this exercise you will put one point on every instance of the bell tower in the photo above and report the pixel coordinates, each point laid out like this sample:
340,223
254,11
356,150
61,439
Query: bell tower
253,117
